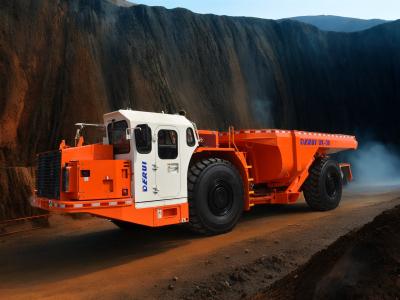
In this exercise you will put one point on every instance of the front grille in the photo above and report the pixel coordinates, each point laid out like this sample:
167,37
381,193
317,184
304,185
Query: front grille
48,174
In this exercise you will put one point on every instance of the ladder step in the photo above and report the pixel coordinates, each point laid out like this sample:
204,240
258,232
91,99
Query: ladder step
250,179
251,192
249,167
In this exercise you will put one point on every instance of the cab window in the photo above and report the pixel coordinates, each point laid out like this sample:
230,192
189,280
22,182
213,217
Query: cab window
143,138
167,144
117,137
190,140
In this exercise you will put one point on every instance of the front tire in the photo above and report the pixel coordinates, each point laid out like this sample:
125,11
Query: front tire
323,187
216,196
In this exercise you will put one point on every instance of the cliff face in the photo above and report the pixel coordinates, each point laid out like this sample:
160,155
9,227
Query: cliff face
68,61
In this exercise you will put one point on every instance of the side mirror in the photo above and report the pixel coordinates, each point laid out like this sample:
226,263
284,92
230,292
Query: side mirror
128,134
137,130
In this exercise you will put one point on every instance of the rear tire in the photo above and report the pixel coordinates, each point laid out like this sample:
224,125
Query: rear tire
323,187
215,191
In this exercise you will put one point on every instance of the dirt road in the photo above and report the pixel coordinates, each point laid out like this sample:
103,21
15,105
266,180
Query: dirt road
91,258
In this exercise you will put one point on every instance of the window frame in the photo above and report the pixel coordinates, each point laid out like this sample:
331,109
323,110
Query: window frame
150,142
110,137
176,144
190,129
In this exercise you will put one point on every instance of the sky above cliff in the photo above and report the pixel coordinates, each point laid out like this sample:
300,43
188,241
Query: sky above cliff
277,9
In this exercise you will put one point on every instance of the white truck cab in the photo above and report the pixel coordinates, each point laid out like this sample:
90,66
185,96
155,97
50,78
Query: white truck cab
160,147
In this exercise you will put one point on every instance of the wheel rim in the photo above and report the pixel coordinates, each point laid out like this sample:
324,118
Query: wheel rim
220,198
332,183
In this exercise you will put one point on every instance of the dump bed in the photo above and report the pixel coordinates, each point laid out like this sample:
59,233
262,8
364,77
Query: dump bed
280,155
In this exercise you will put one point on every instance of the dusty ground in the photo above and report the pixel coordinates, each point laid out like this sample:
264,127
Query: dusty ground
364,264
90,258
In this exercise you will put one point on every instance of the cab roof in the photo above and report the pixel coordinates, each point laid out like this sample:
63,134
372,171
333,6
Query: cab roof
143,117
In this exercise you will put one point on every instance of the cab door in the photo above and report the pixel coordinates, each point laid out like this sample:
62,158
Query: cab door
144,164
168,165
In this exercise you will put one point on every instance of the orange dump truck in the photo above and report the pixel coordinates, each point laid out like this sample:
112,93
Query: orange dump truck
158,169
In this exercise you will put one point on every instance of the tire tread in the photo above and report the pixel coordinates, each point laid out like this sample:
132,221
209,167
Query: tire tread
194,173
311,188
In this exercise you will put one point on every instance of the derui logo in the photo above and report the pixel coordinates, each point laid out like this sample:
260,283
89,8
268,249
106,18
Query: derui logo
144,176
313,142
309,142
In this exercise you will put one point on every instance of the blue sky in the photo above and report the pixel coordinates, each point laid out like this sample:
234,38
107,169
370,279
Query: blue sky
276,9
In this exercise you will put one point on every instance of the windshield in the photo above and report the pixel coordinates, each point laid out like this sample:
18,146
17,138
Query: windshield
117,137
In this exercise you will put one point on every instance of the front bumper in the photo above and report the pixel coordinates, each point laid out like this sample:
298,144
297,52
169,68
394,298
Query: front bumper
119,209
78,206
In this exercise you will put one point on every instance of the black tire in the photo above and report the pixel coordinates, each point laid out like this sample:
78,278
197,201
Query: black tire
215,192
323,187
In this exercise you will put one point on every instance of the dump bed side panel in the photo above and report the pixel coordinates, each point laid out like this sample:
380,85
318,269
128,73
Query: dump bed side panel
279,156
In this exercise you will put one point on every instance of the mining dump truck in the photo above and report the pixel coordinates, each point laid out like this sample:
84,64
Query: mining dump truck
158,169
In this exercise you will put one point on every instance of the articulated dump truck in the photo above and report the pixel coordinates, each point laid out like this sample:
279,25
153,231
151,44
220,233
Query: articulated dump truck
157,169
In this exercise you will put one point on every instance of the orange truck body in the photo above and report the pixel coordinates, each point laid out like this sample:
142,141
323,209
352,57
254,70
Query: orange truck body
273,165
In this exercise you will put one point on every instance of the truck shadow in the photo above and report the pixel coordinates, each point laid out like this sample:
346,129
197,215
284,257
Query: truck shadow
66,256
275,210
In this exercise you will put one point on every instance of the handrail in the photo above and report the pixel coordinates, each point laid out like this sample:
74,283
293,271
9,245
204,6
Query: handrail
231,132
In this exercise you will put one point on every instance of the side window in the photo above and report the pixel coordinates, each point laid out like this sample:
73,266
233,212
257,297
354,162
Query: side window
143,138
117,137
190,141
167,144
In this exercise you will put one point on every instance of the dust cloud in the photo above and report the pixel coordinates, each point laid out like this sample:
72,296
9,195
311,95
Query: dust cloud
375,164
